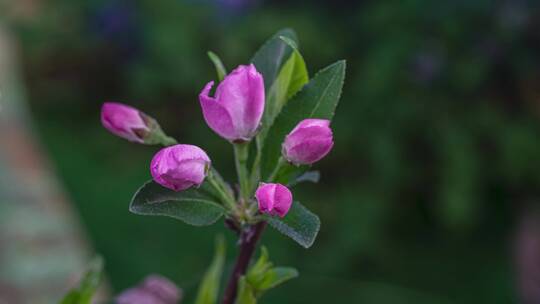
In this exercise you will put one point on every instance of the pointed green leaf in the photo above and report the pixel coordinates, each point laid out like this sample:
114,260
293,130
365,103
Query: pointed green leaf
277,276
299,76
271,56
317,99
87,287
292,77
209,288
245,294
299,224
220,68
262,276
260,267
196,207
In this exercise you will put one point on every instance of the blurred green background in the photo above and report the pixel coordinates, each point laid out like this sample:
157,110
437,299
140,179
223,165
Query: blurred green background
437,135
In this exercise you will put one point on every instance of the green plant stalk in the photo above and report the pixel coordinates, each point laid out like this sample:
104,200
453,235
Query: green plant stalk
241,154
225,196
278,167
255,175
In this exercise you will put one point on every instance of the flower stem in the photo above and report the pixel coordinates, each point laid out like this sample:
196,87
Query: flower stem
241,153
225,196
248,241
255,174
278,167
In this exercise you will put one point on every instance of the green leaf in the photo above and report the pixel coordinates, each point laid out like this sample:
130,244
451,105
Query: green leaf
196,207
292,77
299,224
245,294
263,276
299,75
310,176
277,276
220,68
317,99
209,288
87,287
271,56
260,267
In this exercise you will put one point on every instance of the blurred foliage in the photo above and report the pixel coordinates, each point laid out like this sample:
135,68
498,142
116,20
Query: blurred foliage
437,135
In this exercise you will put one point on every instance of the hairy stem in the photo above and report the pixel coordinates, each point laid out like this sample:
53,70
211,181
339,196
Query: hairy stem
241,153
248,243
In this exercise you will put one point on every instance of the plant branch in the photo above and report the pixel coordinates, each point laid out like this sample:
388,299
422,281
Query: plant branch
248,242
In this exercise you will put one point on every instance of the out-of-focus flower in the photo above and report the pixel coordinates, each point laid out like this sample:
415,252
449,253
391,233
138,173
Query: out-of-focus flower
180,167
155,289
274,199
527,258
236,110
125,121
308,142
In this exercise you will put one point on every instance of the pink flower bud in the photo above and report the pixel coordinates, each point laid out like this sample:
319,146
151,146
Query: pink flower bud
180,167
308,142
154,290
237,107
274,199
124,121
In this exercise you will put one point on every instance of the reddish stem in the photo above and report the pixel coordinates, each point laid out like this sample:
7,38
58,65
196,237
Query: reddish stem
248,241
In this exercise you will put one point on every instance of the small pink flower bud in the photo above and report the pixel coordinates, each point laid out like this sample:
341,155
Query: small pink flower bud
180,167
236,110
274,199
308,142
124,121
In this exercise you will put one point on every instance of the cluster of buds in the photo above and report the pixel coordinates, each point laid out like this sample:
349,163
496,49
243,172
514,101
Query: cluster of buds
234,113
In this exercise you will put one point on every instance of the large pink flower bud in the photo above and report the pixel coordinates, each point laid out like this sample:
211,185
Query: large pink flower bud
308,142
180,167
236,110
124,121
274,199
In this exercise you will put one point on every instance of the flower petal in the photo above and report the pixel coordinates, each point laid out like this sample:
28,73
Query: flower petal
310,151
215,115
282,199
241,93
